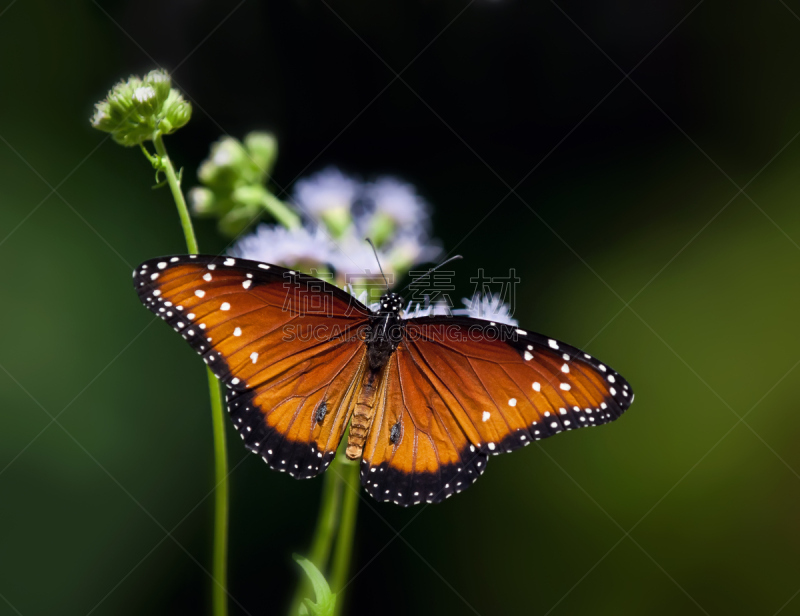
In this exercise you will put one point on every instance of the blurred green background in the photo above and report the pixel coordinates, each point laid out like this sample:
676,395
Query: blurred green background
628,228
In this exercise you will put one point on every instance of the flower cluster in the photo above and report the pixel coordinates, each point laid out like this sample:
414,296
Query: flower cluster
234,190
138,108
340,212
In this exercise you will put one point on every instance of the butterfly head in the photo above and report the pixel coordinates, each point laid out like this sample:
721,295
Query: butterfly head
391,303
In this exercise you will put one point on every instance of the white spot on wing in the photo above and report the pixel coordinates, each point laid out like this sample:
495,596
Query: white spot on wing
553,344
565,386
486,415
254,356
200,293
225,306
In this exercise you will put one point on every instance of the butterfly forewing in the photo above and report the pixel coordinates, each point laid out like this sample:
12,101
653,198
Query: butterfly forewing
513,383
289,348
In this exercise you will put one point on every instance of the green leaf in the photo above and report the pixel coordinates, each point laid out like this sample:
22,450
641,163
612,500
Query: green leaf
326,600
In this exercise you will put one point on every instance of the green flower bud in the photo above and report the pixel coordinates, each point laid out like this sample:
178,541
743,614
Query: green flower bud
402,260
223,169
120,106
135,109
263,149
160,81
337,220
102,119
201,201
145,100
381,228
177,112
235,174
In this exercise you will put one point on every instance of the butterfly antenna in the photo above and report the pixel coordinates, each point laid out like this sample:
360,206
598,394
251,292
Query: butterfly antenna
375,251
433,269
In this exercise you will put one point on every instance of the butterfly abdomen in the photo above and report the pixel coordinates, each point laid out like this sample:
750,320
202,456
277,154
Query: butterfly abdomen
363,414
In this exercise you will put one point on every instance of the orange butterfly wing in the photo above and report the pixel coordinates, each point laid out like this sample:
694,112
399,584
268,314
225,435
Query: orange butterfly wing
458,390
288,347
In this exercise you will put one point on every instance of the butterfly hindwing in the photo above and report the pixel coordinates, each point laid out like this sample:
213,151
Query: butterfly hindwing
416,450
288,347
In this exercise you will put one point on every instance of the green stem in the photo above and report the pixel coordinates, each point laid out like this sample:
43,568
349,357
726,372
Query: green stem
338,509
327,521
219,591
323,534
280,211
340,568
220,564
177,194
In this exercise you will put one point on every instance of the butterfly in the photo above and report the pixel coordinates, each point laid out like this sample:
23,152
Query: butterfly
428,399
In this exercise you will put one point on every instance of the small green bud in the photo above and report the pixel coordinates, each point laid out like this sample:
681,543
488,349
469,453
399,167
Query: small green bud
102,119
381,228
337,220
160,81
223,169
201,201
263,149
177,112
145,100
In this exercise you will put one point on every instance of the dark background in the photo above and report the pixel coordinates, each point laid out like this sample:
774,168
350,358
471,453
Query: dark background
627,226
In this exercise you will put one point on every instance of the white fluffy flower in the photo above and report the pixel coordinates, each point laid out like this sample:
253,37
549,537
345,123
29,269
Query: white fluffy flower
353,258
488,308
408,250
440,308
328,190
399,201
298,247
